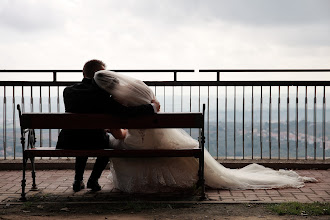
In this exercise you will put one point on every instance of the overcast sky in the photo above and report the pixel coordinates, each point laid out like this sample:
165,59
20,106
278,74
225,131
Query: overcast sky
165,34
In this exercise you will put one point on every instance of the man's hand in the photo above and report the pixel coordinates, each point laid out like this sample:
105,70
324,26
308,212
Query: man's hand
117,133
156,104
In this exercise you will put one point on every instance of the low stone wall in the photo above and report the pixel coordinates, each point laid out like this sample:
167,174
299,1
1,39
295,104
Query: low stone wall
65,164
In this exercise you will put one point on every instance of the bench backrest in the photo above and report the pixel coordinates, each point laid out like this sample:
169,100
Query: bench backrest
101,121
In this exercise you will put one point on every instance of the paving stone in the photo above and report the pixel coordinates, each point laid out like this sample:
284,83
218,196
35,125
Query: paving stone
58,184
265,198
224,193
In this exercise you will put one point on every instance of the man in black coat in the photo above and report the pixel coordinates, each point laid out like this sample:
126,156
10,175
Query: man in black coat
87,97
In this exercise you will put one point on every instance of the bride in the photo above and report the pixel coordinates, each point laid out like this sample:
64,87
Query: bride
168,174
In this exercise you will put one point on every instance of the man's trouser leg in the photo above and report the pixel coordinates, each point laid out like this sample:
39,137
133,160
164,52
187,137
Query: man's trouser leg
99,166
80,168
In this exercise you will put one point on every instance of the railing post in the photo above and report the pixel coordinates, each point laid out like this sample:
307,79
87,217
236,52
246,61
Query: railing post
4,123
270,122
279,122
306,119
14,123
54,76
260,122
40,110
226,116
314,123
288,123
217,126
243,121
49,110
252,128
323,118
234,122
297,124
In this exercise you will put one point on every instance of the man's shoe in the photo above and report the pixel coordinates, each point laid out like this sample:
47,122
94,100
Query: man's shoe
78,185
93,185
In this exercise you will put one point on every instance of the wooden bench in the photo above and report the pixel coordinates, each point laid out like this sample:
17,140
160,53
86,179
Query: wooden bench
31,121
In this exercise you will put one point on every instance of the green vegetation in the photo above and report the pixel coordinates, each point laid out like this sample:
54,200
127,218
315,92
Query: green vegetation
27,205
304,209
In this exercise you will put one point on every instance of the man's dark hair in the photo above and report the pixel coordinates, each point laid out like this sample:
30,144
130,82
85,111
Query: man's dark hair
91,67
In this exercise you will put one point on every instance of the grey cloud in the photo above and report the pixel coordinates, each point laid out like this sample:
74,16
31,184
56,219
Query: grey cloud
250,12
288,22
30,16
270,12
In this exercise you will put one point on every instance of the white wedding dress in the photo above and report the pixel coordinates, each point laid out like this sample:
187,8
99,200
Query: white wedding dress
168,174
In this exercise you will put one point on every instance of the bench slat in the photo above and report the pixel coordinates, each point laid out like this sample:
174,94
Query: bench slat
101,121
52,152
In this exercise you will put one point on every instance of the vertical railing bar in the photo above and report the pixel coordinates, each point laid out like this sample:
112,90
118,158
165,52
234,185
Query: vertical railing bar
164,98
58,108
58,104
270,122
199,98
208,118
155,91
314,122
226,115
252,117
243,120
5,124
54,80
31,99
261,123
40,110
173,98
181,98
190,107
323,118
49,110
297,124
175,77
54,76
217,122
234,122
218,79
306,118
279,122
23,101
288,123
14,123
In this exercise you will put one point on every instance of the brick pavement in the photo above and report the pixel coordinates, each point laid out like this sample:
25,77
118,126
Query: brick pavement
56,185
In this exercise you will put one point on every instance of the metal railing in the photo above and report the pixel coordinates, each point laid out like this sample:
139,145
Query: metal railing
244,119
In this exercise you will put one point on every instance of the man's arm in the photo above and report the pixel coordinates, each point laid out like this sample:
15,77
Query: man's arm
97,101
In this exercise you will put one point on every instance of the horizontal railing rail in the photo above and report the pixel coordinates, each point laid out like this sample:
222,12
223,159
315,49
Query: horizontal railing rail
244,119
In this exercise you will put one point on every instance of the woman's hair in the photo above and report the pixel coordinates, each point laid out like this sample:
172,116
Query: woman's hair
91,67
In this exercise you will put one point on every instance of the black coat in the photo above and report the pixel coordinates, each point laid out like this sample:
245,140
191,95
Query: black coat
87,97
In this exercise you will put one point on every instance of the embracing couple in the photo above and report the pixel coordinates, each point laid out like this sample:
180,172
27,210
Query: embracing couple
103,91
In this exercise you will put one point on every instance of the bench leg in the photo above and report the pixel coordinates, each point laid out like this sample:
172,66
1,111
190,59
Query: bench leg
201,180
23,198
201,185
34,185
